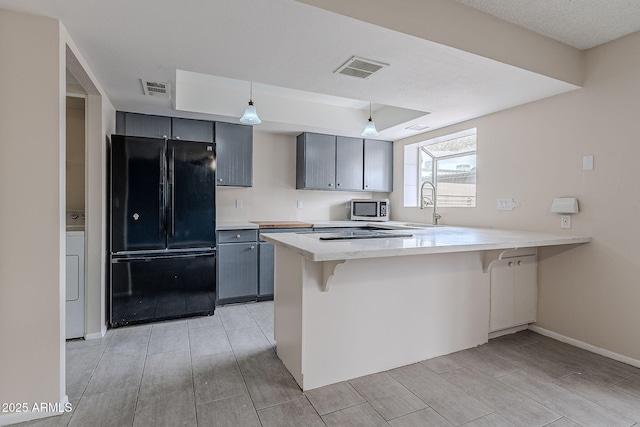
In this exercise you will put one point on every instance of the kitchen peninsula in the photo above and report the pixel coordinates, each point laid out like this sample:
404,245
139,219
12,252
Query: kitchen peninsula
347,307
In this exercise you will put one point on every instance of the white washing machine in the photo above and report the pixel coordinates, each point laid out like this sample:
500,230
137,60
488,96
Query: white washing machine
75,275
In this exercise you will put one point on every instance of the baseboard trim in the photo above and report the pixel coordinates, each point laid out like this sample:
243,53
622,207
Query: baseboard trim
21,417
496,334
585,346
97,335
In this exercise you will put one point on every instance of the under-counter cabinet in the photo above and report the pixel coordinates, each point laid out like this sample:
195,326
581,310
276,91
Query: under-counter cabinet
514,292
237,273
266,261
234,150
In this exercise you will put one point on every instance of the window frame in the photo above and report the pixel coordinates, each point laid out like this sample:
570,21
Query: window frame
423,151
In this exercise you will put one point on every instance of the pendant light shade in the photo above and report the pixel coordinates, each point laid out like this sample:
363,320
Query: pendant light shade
250,115
370,128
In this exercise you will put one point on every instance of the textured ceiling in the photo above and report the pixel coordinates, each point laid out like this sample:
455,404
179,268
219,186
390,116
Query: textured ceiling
289,45
579,23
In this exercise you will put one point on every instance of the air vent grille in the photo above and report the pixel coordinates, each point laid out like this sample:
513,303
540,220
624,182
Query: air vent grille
360,67
418,126
157,89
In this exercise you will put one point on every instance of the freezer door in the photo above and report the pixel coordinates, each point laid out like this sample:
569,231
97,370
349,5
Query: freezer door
191,210
145,289
137,193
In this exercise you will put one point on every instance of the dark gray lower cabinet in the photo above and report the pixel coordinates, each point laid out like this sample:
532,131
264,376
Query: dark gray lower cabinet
266,271
237,272
245,267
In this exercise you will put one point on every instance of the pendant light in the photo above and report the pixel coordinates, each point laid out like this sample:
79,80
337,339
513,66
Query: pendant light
370,128
250,115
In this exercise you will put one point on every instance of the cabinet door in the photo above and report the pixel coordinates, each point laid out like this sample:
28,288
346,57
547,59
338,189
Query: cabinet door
192,130
237,270
316,161
146,125
514,292
502,295
349,163
266,270
526,290
378,165
234,148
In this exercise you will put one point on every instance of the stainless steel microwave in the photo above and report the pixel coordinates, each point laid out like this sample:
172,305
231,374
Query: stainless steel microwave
370,210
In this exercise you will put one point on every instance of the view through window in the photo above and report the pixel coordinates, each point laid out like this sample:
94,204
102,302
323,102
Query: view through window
449,162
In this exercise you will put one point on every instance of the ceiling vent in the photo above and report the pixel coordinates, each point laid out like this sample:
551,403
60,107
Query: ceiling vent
418,126
360,67
158,89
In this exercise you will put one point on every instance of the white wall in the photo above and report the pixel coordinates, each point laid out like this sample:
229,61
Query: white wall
32,190
533,153
273,195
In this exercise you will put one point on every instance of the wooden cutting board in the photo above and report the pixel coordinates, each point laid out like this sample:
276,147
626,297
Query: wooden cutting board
282,224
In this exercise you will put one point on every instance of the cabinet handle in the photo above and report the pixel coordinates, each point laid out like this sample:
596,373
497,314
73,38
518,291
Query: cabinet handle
252,247
366,186
519,262
339,184
237,236
510,264
219,179
330,185
177,137
164,136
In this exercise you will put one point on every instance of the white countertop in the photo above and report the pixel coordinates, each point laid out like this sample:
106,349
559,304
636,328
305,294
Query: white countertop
224,225
236,226
432,240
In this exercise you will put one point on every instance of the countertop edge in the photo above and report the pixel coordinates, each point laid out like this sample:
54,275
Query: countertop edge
339,255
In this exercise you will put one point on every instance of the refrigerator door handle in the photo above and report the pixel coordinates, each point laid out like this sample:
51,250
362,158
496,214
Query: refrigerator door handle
161,196
172,173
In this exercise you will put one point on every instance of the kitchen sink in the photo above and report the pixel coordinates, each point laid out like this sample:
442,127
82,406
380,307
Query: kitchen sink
364,234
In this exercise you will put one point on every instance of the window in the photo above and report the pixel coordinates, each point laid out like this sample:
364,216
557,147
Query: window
449,162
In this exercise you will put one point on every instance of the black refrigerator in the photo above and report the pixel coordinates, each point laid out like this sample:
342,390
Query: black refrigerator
162,229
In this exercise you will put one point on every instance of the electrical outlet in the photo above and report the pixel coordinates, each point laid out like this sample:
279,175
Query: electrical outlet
565,221
238,203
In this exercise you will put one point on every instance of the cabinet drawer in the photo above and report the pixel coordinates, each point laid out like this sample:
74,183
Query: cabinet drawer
237,236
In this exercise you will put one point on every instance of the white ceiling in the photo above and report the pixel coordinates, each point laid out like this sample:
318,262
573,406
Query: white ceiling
290,50
579,23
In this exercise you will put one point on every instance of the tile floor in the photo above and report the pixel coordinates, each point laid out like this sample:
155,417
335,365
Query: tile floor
222,371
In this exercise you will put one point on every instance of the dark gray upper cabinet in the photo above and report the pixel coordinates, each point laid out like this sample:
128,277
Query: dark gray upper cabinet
378,166
349,163
327,162
234,148
316,161
191,130
145,125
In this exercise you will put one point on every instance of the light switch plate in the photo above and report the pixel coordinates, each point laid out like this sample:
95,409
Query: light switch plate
587,163
506,204
299,204
238,203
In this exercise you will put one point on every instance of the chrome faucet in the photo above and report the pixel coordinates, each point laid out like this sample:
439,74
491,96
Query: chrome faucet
425,201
